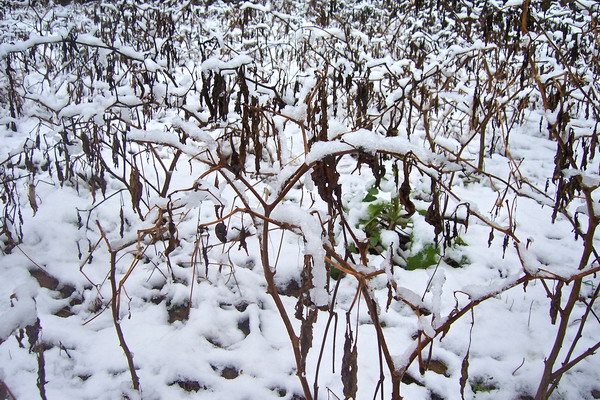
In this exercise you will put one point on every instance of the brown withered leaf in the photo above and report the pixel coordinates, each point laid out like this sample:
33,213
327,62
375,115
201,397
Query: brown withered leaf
372,161
433,216
205,95
326,177
244,233
491,237
505,245
221,232
85,144
350,367
306,334
59,172
219,96
555,302
173,240
31,196
464,374
404,192
33,334
135,188
236,163
306,284
324,118
122,223
362,102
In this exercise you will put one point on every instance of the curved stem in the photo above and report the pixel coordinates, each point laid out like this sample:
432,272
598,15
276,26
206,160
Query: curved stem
272,290
114,306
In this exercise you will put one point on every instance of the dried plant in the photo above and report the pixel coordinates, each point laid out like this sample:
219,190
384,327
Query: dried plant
100,92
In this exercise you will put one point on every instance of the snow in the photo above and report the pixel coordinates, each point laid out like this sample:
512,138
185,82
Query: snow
254,6
311,230
320,150
34,40
21,313
513,3
96,101
216,64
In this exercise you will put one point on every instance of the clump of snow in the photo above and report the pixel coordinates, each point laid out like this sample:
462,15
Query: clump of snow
313,246
21,313
217,64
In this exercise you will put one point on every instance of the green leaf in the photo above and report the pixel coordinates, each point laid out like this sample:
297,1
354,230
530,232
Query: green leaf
352,248
375,239
376,209
423,259
371,195
335,273
460,242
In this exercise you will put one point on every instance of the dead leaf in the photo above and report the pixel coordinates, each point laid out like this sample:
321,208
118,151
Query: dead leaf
350,367
221,232
32,200
135,188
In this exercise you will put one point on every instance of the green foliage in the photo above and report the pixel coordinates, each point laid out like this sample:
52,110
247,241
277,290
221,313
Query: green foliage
459,241
480,385
371,195
425,258
390,215
382,215
335,273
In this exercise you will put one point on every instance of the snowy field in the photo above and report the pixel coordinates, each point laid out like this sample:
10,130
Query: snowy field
299,200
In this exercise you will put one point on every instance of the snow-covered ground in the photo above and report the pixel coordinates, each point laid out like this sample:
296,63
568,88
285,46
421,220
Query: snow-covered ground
277,201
